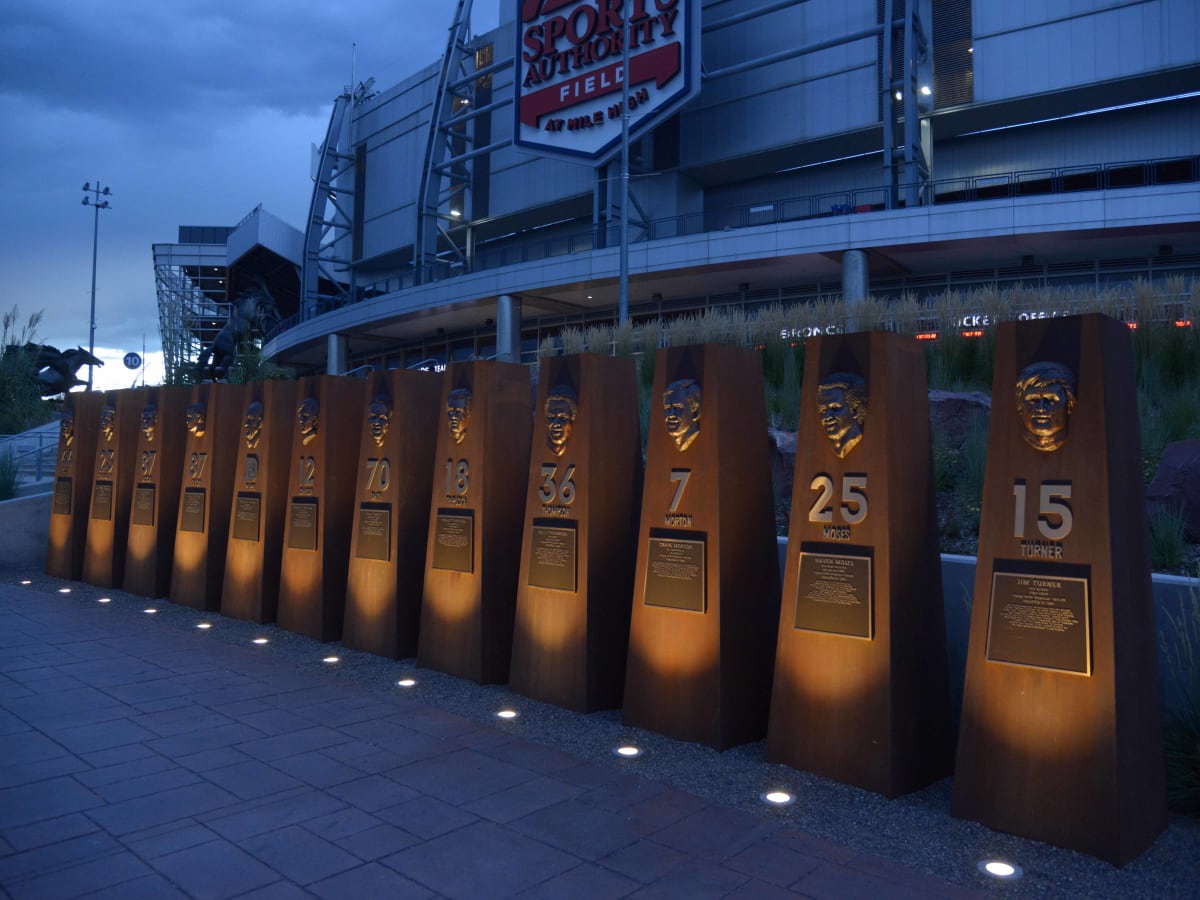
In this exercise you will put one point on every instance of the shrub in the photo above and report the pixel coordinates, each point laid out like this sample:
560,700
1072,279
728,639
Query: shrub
1168,544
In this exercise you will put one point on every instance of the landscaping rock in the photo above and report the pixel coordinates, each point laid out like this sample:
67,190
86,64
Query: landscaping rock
951,413
1177,484
783,461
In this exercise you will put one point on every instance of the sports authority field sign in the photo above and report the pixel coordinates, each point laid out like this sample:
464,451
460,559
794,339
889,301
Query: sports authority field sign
570,70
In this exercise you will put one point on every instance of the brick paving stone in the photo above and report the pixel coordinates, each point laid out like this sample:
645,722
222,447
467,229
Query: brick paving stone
158,809
317,769
663,808
377,842
373,793
123,771
300,855
162,840
272,721
216,758
644,861
99,759
102,872
250,779
215,870
828,880
59,855
481,860
588,833
278,746
521,800
762,890
402,741
696,881
150,784
428,720
584,882
714,833
537,757
250,819
335,715
427,817
47,799
209,739
102,735
183,718
28,746
611,789
48,831
147,887
341,824
461,777
371,880
279,890
772,863
40,770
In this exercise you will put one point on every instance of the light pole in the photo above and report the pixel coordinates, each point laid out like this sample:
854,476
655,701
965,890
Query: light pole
98,204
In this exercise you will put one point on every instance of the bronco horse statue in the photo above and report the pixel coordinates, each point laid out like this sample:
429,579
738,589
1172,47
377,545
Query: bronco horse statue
54,369
252,309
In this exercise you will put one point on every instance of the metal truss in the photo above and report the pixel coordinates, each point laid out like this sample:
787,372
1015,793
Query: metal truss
452,194
906,165
193,301
326,273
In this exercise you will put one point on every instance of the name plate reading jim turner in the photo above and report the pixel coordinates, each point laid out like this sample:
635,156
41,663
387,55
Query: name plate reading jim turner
1041,621
454,540
302,530
552,556
675,572
833,594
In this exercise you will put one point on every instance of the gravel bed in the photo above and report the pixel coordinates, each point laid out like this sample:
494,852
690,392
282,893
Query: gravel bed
916,830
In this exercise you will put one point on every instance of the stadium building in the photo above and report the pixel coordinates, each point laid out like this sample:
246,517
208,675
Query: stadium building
820,147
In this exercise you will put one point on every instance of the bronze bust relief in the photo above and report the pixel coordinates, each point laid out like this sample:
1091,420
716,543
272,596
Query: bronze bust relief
379,418
195,419
458,413
681,411
306,419
66,428
150,422
252,424
842,410
1045,399
108,423
561,408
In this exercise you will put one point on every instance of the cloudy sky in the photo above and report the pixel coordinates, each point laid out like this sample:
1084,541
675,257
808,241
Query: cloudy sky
192,112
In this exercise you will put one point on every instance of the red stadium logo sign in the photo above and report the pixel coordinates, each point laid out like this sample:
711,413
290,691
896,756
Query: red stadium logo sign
570,72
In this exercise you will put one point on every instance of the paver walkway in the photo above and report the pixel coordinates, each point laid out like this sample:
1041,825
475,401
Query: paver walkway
143,761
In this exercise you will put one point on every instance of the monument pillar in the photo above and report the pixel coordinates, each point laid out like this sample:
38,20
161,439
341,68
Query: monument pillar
67,536
112,487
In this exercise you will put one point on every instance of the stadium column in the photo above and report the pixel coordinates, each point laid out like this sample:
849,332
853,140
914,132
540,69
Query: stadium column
856,284
508,328
337,349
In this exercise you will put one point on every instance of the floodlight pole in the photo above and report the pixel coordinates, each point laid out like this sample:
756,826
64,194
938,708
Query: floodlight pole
94,201
623,279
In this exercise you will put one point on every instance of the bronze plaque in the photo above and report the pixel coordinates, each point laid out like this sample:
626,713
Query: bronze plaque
454,540
675,571
246,516
374,531
833,593
62,497
1040,620
143,504
102,500
303,524
552,555
191,518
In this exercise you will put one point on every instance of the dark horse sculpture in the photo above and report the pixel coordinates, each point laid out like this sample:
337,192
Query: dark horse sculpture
55,369
251,308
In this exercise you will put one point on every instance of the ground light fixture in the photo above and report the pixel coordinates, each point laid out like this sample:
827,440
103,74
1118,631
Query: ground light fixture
777,798
26,581
104,599
64,590
331,659
260,641
406,682
507,714
627,751
204,625
1000,870
150,609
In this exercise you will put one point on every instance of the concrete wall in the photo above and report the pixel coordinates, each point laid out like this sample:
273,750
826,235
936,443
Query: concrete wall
25,524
